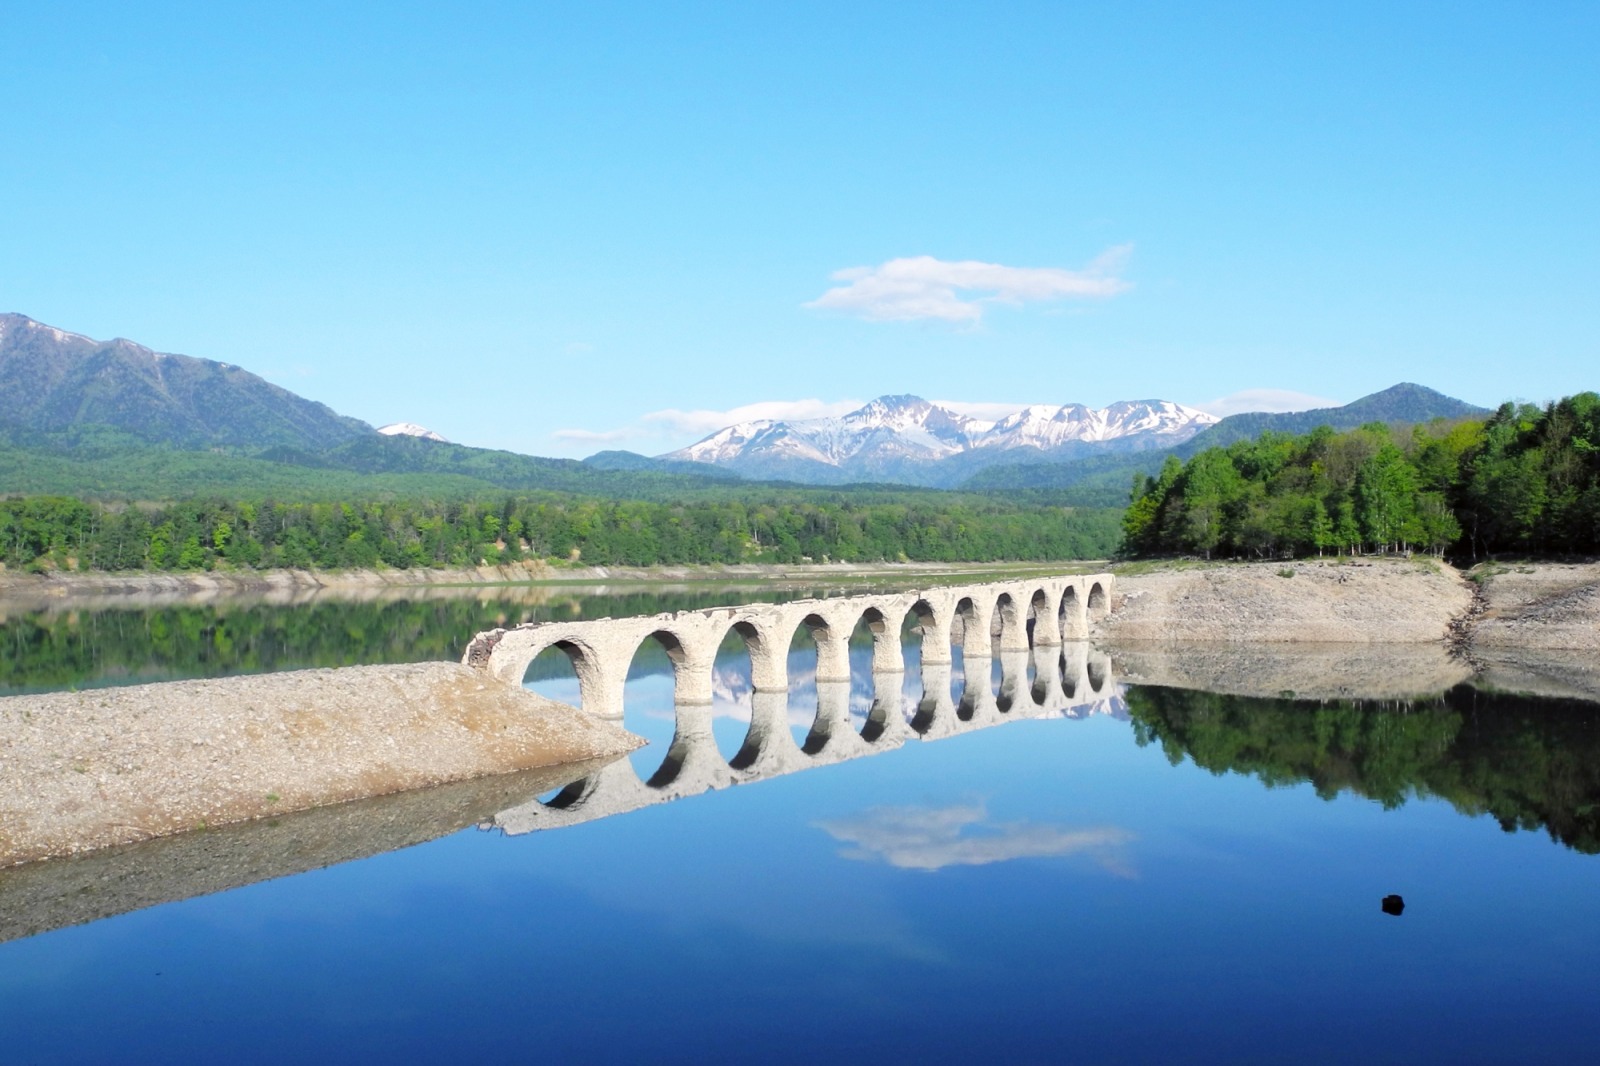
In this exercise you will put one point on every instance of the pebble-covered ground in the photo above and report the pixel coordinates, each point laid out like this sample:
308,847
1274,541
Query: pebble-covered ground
83,770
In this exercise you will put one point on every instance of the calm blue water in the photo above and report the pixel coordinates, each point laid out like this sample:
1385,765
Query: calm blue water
1039,891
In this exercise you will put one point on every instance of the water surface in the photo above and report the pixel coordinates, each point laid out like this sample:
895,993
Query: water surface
1166,875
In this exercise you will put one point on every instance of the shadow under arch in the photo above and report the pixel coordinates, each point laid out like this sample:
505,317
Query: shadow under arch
919,711
806,663
1098,604
1070,616
873,628
1041,623
569,796
565,671
1006,622
1095,672
648,706
734,674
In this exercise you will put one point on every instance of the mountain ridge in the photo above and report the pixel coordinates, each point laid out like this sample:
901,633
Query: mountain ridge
52,379
906,438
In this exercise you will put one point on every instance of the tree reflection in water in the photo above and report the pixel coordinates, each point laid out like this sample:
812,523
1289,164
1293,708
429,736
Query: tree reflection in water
1531,763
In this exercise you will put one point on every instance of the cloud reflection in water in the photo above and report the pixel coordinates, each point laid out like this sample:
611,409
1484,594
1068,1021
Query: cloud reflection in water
932,838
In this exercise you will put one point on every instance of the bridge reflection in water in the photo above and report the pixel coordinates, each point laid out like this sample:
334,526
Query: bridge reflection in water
970,659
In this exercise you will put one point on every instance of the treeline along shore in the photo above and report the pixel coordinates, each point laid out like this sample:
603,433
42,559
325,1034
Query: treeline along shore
1526,480
64,533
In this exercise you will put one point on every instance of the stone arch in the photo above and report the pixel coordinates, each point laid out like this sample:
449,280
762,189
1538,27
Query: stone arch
682,685
1099,604
886,658
769,666
1071,618
1098,677
1044,623
1007,625
926,629
586,665
833,647
974,627
571,796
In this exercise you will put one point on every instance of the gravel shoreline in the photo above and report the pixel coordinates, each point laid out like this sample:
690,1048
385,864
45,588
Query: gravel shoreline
84,770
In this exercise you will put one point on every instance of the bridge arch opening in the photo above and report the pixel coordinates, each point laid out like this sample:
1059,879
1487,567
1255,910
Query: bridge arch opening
1042,626
877,672
1069,678
1007,621
1071,615
1007,682
1098,605
1097,677
558,672
964,623
1038,684
923,683
813,633
733,693
651,694
568,796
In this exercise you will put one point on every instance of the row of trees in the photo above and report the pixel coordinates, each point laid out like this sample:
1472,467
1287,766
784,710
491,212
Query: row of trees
69,533
1524,480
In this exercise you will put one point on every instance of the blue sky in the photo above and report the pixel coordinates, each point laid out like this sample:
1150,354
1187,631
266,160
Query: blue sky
559,228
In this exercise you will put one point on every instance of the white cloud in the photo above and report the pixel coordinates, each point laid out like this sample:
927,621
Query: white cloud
931,838
593,435
903,290
991,412
702,422
674,425
1275,401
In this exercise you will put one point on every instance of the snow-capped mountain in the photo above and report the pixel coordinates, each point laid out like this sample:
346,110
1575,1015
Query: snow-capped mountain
908,439
410,429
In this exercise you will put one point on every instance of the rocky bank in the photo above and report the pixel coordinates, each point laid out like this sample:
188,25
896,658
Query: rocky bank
84,770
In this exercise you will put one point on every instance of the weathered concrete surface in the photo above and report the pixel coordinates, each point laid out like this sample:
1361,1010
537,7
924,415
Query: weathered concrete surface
1364,602
1302,671
1544,605
986,619
83,770
37,897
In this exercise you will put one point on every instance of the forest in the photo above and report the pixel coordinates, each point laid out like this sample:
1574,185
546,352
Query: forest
63,532
1526,480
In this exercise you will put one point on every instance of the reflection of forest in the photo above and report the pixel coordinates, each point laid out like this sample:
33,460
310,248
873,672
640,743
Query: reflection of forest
55,650
1529,762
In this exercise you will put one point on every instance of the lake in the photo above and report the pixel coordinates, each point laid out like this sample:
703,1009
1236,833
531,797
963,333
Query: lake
1161,875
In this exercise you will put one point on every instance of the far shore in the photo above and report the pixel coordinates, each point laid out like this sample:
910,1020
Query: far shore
63,589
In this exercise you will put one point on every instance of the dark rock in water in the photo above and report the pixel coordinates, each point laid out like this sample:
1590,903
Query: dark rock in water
1393,905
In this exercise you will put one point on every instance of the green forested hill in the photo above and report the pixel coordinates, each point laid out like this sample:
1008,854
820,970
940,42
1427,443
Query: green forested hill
52,381
1399,404
1524,480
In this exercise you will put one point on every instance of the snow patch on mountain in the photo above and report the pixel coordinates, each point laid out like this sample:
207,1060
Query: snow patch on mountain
899,429
410,429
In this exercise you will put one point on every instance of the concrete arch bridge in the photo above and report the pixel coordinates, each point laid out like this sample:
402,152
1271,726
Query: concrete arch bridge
1034,629
983,620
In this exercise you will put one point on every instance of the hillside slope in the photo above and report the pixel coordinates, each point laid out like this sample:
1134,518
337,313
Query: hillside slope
52,381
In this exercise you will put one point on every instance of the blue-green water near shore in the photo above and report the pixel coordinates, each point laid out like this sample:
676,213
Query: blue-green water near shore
1170,876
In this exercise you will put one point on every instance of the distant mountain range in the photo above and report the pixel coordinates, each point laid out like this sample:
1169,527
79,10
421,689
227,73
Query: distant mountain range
52,380
909,440
114,418
1104,479
105,417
